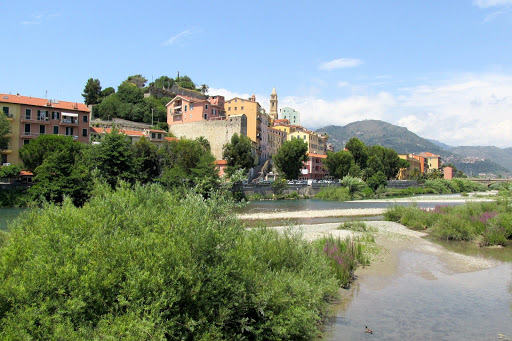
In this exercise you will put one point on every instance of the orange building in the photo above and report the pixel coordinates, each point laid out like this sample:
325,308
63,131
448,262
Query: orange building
31,117
184,109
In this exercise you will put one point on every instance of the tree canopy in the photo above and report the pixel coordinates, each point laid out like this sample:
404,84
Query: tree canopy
290,158
34,153
92,92
339,163
5,129
238,154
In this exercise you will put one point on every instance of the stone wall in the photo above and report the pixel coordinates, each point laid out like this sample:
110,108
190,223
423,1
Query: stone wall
218,132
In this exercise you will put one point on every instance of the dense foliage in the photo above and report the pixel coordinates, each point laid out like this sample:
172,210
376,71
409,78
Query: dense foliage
490,223
238,154
5,129
290,158
144,263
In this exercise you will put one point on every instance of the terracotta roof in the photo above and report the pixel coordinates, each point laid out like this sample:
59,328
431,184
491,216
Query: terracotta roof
221,162
321,156
186,98
26,173
156,131
42,102
170,139
427,154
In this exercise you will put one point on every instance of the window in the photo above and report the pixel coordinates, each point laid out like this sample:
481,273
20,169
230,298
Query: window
28,114
55,115
84,131
6,111
69,131
236,100
185,108
191,106
159,136
190,115
42,129
153,135
56,130
25,142
229,108
236,108
205,116
242,101
214,111
27,129
206,106
85,118
241,108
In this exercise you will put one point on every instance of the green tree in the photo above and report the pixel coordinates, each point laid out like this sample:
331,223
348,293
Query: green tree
358,150
34,153
138,80
204,89
92,92
107,92
63,173
290,158
389,158
10,172
238,154
377,180
147,161
5,129
128,92
163,82
113,158
339,164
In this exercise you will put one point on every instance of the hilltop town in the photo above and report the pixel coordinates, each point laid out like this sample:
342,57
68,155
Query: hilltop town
189,113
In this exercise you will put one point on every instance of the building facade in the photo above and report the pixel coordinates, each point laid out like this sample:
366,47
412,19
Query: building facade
273,105
31,117
290,114
154,136
313,168
276,138
184,109
252,111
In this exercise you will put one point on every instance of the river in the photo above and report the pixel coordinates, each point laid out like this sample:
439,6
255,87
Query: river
421,289
8,215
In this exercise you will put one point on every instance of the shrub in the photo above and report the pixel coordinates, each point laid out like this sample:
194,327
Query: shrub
145,263
334,193
454,227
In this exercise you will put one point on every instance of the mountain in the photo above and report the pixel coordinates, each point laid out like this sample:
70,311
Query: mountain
440,144
403,141
374,132
502,157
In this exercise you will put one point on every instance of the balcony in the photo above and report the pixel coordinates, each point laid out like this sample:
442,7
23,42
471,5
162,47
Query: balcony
28,134
176,112
43,120
6,149
69,121
9,116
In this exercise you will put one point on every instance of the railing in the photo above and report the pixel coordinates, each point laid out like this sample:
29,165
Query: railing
9,115
69,121
176,112
29,134
43,119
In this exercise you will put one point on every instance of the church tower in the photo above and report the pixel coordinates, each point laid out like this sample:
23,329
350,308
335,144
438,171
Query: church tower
273,104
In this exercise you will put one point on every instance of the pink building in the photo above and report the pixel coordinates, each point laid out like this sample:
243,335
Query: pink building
314,168
183,109
448,173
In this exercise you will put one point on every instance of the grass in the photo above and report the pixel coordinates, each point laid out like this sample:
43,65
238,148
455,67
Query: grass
488,222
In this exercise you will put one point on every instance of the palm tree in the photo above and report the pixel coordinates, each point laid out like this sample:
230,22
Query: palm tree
204,89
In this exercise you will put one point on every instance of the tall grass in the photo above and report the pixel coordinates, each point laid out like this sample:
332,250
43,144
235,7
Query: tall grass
491,222
334,193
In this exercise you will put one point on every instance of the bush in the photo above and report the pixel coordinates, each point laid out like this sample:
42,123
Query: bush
145,263
454,227
334,193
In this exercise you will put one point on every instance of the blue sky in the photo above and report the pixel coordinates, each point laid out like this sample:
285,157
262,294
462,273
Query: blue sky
443,69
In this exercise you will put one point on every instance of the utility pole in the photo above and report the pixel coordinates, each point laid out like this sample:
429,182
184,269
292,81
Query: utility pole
151,116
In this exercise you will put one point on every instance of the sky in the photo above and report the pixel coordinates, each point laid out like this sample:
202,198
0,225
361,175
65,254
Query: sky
443,69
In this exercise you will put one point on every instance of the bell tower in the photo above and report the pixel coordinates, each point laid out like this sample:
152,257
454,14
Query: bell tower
273,104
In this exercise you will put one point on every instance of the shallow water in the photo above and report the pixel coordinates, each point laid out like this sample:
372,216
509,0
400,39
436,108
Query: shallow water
424,299
266,206
8,215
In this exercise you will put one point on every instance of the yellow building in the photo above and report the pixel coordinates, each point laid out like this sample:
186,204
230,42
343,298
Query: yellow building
9,153
252,110
316,143
414,167
432,159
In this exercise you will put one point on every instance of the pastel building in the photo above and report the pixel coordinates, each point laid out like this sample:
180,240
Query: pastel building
276,138
316,143
313,169
252,110
291,115
184,109
433,160
31,117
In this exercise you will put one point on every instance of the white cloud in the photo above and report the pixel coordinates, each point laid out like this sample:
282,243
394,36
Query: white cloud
465,110
38,18
342,84
340,64
177,37
492,3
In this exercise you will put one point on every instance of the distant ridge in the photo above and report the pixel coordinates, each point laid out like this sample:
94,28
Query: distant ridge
376,132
